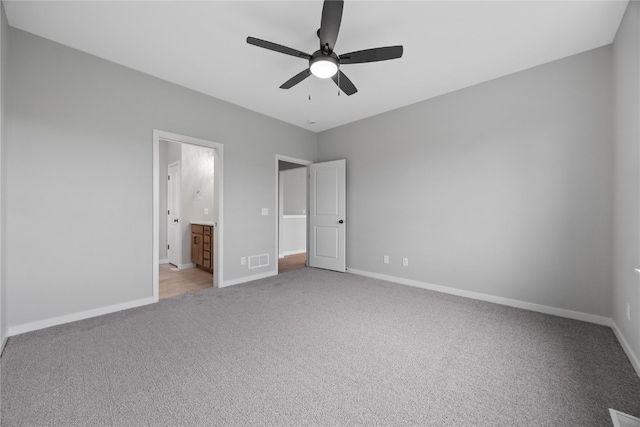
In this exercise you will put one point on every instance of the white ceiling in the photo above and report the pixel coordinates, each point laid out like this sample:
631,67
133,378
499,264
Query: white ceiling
448,45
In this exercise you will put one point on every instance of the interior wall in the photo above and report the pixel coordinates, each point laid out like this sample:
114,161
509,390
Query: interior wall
503,188
626,131
294,191
197,176
293,221
3,174
80,131
174,152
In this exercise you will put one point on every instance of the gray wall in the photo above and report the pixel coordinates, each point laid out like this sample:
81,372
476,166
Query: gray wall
4,28
294,191
174,152
162,200
626,131
79,168
503,188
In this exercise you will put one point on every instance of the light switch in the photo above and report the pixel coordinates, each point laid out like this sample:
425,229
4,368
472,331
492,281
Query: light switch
206,211
265,211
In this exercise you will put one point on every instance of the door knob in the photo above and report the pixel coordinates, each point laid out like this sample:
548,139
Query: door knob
340,222
175,220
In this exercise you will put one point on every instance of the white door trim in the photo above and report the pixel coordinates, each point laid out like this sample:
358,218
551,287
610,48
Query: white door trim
277,204
218,243
178,242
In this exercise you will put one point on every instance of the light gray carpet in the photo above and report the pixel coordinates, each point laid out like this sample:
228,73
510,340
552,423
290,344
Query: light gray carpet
312,347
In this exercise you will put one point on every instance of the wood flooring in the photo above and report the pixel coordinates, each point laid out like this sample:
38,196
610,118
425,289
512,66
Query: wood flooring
291,262
174,283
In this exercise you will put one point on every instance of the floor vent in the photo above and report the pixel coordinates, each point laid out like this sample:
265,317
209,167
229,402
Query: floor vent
258,261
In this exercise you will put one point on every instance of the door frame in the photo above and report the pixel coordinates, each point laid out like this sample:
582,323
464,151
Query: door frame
218,177
178,244
297,161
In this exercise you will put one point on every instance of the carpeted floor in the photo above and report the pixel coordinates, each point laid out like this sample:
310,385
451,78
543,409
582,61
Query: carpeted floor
311,347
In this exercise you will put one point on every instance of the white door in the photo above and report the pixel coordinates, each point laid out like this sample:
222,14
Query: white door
173,214
327,221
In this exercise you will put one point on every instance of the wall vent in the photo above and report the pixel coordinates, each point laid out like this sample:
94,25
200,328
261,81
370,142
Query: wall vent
256,261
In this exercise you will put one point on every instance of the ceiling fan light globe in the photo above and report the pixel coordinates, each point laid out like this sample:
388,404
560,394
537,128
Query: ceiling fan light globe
324,68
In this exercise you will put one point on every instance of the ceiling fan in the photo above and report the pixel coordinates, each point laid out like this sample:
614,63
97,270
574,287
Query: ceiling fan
324,62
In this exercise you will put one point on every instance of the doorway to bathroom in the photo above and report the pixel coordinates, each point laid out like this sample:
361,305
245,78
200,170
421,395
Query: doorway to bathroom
189,218
187,206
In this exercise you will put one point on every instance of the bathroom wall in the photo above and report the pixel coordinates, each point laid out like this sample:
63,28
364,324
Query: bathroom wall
197,192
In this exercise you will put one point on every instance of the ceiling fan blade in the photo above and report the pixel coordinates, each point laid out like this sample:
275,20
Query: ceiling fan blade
372,55
296,79
278,48
344,83
330,24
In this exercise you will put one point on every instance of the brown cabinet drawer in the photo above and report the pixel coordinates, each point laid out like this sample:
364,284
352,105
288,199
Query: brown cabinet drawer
201,246
196,248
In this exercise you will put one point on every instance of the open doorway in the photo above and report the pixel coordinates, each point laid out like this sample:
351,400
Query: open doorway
187,214
188,199
291,184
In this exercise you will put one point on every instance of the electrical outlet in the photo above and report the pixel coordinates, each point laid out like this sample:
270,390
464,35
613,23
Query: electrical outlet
628,311
243,260
405,262
385,259
265,211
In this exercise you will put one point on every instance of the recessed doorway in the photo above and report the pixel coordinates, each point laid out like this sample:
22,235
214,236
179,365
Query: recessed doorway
291,223
194,213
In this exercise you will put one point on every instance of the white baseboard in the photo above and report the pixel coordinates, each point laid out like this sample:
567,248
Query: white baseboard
163,261
3,342
186,266
576,315
232,282
626,347
299,251
67,318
